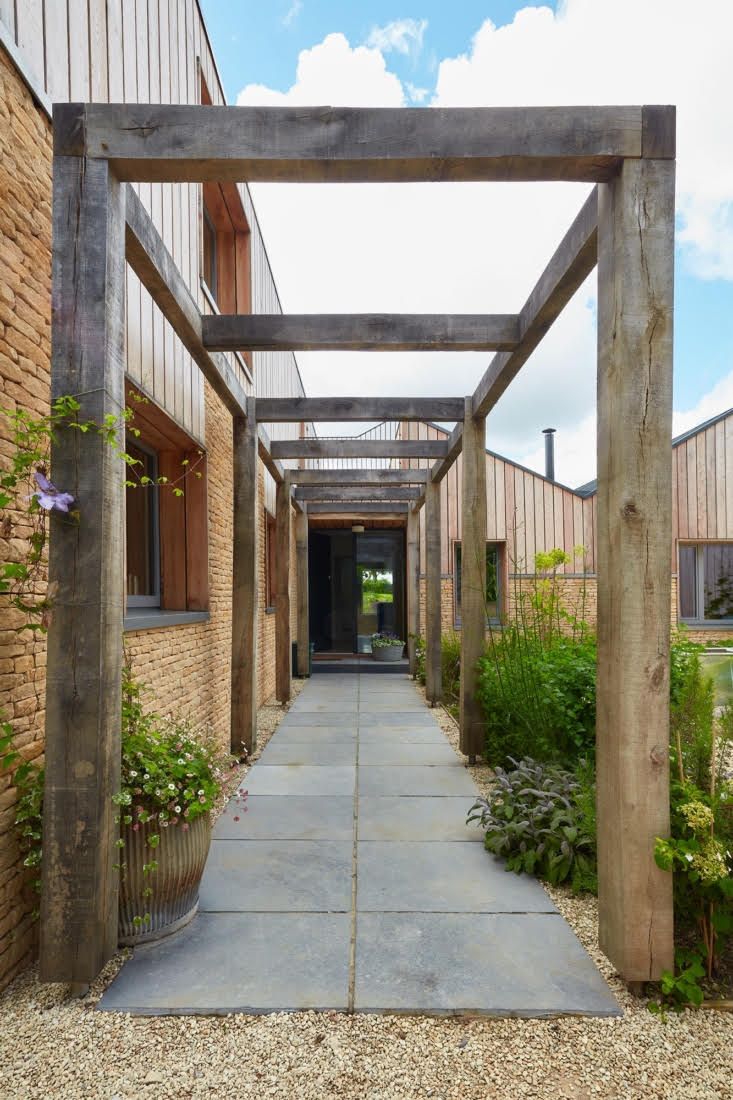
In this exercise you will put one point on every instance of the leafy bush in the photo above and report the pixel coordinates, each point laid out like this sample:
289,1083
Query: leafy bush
450,655
538,696
536,819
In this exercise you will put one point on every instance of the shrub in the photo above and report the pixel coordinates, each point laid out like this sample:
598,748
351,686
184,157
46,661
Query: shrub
536,819
450,655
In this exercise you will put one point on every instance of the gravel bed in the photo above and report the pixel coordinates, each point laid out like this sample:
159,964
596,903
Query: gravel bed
53,1046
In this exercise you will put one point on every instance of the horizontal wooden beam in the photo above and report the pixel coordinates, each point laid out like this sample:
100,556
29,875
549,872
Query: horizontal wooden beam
360,332
357,477
368,508
181,143
369,493
264,449
571,264
314,409
156,270
358,448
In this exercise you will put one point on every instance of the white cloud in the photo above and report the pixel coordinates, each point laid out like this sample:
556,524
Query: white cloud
402,35
292,13
416,95
719,399
476,247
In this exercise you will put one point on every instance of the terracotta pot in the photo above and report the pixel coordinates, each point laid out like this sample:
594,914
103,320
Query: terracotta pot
181,857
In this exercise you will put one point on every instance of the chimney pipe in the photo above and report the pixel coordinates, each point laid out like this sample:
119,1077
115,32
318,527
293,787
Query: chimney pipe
549,434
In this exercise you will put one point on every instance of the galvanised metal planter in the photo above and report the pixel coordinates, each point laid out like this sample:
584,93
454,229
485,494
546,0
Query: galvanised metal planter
388,652
181,858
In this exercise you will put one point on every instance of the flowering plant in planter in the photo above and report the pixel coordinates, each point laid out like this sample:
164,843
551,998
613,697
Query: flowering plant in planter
384,640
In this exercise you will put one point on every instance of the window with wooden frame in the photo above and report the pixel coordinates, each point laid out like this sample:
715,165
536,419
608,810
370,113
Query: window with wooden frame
225,246
167,539
270,551
705,583
494,582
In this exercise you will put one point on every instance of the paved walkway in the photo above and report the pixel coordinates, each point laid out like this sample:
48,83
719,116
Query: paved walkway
352,883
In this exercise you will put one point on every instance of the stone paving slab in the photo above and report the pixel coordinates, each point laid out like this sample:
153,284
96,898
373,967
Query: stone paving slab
287,779
523,965
310,752
438,927
313,734
344,717
400,818
291,876
239,962
438,779
298,817
400,752
408,735
430,877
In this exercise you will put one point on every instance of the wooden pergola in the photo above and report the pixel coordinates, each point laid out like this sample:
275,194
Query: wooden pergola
626,226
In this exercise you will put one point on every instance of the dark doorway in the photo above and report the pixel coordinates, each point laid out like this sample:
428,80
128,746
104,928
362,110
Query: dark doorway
357,587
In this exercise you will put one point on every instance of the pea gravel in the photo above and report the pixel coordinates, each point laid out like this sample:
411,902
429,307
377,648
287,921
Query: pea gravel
54,1046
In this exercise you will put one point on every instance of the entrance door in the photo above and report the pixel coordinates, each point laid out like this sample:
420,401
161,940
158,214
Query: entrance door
356,588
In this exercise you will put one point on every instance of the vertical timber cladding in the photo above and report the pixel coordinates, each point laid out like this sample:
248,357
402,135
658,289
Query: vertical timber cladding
83,700
635,303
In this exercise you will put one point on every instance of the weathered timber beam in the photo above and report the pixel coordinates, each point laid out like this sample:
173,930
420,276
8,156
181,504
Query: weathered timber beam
360,332
380,493
264,448
455,446
274,409
572,262
358,477
154,266
245,586
369,508
149,142
358,448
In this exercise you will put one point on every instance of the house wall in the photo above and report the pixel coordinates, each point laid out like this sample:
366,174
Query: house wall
116,50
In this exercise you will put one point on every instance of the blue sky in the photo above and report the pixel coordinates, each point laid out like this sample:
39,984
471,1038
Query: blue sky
429,52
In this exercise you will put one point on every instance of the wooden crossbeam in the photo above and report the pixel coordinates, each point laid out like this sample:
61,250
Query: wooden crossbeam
178,143
358,448
570,265
357,477
368,508
264,447
314,409
360,332
312,492
155,268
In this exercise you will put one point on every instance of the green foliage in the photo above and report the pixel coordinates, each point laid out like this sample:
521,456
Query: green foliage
450,660
536,820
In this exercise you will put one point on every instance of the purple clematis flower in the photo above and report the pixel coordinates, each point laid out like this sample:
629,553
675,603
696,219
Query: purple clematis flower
49,497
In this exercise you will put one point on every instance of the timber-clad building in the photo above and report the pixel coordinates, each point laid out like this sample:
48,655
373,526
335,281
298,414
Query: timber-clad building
178,549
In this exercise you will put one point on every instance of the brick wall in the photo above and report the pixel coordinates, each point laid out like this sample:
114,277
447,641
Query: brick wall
187,667
25,332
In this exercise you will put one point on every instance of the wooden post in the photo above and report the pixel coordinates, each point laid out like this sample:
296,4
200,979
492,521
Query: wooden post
473,579
301,553
245,581
78,930
635,307
433,624
413,586
282,593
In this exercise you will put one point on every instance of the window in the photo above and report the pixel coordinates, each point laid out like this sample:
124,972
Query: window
141,527
270,550
706,582
166,533
493,582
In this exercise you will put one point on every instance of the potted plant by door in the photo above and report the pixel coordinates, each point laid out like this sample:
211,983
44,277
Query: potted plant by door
171,779
387,647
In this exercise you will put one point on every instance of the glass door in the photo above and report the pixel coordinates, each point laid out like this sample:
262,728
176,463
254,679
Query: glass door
378,586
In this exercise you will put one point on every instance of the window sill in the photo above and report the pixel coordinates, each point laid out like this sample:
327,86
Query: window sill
152,618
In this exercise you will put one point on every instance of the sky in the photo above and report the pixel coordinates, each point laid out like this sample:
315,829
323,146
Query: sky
471,248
